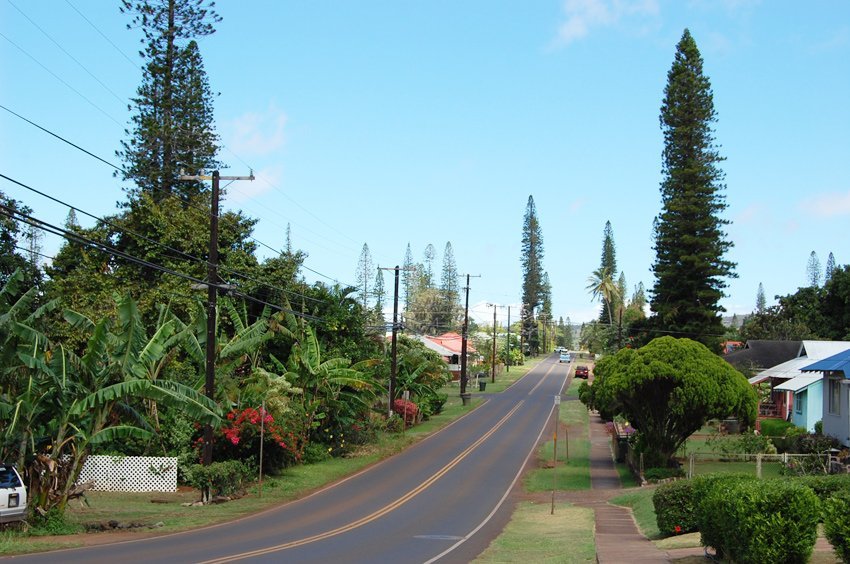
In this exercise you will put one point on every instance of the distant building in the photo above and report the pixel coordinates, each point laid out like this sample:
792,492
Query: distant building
448,346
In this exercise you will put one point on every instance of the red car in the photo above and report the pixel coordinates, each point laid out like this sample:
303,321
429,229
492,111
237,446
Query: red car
582,372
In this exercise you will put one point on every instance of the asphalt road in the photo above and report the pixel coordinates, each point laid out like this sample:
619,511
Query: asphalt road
442,500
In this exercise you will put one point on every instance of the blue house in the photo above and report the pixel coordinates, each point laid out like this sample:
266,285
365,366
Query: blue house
836,394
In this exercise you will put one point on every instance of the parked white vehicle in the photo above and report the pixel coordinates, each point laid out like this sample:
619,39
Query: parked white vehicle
13,495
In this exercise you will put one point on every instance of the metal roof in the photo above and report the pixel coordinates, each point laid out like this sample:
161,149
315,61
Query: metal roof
813,351
836,363
799,383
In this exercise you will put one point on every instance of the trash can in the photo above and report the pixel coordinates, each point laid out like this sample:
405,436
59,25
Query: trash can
482,385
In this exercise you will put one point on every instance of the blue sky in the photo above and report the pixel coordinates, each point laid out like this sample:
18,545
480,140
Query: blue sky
390,123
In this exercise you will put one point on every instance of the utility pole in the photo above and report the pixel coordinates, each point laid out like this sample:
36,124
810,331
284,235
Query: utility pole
464,378
493,378
508,345
394,345
212,297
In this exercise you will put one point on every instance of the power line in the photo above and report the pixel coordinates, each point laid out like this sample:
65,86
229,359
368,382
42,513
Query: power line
170,194
81,65
103,35
57,77
158,243
80,239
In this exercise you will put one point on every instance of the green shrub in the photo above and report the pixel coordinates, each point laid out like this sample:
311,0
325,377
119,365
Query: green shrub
52,523
752,521
824,486
819,427
219,478
707,520
775,427
746,443
787,442
836,526
675,510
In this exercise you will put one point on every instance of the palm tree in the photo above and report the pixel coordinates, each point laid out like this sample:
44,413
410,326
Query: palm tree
601,284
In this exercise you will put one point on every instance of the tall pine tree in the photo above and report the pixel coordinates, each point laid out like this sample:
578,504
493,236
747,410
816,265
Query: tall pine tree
608,264
532,274
173,127
364,276
690,241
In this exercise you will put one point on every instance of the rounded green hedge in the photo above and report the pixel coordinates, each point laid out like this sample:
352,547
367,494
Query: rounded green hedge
751,522
836,525
675,510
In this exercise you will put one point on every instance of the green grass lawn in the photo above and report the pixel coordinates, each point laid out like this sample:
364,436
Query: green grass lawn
534,534
572,471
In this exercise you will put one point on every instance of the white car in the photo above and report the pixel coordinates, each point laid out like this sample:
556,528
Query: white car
565,357
13,495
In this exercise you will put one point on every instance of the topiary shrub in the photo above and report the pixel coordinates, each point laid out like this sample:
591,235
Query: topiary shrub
749,521
707,520
675,507
836,526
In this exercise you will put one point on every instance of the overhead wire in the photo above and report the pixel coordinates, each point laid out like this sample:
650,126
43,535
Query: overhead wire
120,169
103,247
183,254
238,157
58,45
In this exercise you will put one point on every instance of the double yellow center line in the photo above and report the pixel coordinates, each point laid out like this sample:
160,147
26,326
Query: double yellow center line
380,512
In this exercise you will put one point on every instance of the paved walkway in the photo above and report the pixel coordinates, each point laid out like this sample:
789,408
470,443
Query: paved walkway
618,539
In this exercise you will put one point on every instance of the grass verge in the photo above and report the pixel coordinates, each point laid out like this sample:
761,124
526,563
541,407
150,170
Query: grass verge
534,535
572,471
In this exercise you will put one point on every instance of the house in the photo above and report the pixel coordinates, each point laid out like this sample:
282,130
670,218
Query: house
795,396
448,346
836,394
760,354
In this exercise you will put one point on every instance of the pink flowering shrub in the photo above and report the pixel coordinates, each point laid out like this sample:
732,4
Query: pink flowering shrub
407,409
238,438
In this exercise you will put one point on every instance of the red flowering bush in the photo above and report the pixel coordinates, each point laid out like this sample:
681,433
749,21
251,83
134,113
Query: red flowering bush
407,409
238,438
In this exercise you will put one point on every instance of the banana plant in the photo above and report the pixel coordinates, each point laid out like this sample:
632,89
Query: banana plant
333,388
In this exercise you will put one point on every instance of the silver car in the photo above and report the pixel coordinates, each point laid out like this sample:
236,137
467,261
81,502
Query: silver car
13,495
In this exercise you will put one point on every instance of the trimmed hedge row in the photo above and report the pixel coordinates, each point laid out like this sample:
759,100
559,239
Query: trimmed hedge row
836,526
750,520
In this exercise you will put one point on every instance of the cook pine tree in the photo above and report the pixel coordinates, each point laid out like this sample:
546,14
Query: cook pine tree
691,244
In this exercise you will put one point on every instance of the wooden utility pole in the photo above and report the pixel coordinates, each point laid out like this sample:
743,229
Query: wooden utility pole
493,378
508,346
212,297
394,345
464,378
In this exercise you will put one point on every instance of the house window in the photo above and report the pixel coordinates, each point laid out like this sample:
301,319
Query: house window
834,406
799,402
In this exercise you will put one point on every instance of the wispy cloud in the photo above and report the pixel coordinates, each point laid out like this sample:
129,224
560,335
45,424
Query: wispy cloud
583,16
257,133
829,205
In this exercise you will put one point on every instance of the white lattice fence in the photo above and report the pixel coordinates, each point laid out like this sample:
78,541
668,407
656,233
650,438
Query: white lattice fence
131,473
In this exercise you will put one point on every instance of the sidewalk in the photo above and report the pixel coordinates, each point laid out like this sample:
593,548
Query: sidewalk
618,539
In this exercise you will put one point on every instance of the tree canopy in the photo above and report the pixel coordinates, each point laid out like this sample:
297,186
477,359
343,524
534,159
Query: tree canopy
667,390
